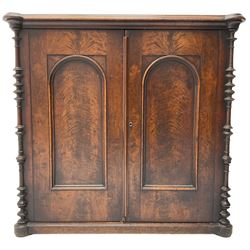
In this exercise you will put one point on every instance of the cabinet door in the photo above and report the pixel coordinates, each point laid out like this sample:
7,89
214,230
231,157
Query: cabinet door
175,107
76,99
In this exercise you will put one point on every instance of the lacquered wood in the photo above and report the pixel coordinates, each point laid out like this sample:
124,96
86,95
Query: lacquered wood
77,146
156,228
124,122
125,21
127,17
170,104
49,201
165,200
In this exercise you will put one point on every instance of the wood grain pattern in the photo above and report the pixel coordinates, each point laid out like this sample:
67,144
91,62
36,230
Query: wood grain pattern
161,205
114,227
170,101
78,123
57,21
76,203
115,17
126,120
172,42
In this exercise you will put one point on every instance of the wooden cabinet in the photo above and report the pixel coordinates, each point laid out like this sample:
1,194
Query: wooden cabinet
124,123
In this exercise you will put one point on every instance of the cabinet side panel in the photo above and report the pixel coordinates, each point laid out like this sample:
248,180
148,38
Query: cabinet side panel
27,118
219,121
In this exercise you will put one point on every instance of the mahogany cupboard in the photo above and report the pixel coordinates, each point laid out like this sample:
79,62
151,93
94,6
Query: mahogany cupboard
123,123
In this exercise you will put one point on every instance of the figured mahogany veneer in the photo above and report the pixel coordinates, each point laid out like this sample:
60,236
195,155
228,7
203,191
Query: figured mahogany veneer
123,123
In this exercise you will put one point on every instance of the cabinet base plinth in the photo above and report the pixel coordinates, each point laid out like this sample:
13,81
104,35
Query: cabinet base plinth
21,230
225,231
118,227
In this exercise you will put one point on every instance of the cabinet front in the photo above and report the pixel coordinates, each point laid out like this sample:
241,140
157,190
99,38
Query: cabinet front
123,122
76,97
174,142
122,127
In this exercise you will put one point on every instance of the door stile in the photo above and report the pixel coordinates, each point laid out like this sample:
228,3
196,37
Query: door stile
125,124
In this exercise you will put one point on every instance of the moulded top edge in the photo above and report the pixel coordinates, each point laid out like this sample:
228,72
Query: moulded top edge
129,20
92,17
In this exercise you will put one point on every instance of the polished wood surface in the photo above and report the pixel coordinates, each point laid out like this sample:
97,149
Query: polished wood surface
172,137
127,17
124,123
54,21
77,125
78,122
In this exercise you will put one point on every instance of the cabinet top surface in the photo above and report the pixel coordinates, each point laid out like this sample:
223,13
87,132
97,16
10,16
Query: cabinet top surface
64,20
92,17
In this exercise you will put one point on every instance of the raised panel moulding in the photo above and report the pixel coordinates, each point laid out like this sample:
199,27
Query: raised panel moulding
78,124
170,101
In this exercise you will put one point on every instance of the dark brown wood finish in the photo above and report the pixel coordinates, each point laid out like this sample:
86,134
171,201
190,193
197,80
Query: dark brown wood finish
127,123
77,147
172,113
225,205
16,26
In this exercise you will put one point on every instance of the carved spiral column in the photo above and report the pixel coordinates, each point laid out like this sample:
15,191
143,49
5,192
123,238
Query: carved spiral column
229,76
16,26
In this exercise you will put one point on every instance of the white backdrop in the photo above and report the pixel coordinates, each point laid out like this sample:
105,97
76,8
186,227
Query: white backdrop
240,148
